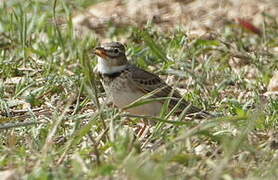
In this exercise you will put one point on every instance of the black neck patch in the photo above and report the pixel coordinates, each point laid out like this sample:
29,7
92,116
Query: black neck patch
112,75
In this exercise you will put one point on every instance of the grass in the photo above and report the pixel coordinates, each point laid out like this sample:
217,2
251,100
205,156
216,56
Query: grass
54,124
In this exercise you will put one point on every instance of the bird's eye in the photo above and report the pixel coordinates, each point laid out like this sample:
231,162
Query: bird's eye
116,51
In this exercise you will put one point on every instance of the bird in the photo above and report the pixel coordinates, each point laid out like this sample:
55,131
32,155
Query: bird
124,83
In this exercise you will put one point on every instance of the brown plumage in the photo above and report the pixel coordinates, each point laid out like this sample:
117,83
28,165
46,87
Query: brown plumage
125,83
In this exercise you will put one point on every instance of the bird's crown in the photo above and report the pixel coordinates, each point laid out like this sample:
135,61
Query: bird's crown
110,50
111,57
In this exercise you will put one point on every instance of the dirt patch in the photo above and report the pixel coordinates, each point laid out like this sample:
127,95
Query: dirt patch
199,16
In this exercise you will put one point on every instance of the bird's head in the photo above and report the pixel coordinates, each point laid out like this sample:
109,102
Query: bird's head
111,57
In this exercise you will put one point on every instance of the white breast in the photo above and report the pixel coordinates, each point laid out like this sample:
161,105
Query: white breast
122,95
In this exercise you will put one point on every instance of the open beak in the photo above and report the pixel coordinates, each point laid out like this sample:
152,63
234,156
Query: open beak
100,51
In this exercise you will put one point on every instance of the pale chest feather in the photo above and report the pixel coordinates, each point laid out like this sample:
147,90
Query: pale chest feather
122,93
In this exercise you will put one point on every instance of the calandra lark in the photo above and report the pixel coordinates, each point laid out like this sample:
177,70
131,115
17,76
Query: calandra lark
124,83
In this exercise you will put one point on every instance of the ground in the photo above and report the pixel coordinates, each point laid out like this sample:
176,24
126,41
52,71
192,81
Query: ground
55,120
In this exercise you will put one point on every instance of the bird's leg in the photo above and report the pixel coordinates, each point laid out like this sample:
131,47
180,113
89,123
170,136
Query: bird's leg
144,130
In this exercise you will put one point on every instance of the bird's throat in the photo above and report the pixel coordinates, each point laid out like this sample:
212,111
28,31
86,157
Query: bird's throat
104,68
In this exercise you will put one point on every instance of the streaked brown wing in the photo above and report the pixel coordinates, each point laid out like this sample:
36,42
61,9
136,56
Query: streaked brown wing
148,82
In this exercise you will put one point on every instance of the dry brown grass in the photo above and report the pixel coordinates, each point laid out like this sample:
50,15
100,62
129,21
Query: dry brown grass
196,16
